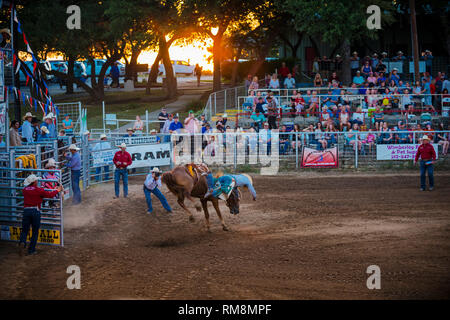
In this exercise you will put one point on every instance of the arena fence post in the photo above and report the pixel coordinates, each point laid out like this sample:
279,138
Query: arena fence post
146,121
356,150
235,152
103,117
38,156
296,151
215,103
55,149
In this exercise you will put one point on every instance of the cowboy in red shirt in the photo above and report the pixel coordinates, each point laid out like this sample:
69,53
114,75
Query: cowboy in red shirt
427,156
32,201
122,160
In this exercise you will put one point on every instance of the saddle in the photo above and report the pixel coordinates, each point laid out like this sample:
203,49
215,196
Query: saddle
196,170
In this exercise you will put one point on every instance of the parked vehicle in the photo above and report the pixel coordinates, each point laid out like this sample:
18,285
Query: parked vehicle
98,67
30,65
179,67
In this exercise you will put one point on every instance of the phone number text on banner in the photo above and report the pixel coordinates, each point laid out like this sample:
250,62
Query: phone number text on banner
327,158
399,151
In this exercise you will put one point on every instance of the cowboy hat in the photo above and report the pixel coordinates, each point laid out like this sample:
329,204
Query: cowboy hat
156,170
45,129
30,179
153,131
123,145
28,115
86,132
425,137
50,163
73,147
400,52
354,52
50,115
130,129
102,136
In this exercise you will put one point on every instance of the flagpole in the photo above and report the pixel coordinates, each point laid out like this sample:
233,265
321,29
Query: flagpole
16,76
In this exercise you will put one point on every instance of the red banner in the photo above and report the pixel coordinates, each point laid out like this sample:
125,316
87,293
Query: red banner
327,158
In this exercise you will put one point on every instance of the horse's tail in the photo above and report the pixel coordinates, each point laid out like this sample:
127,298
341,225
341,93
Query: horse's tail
169,181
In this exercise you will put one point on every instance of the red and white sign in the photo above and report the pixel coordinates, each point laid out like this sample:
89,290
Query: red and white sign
327,158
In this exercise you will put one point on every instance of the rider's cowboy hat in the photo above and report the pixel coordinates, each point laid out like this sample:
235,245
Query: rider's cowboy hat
156,170
74,147
30,179
28,115
50,163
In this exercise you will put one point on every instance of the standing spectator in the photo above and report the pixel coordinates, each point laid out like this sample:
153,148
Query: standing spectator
272,112
138,126
74,163
48,122
427,92
36,129
33,196
375,61
198,72
315,65
27,129
428,57
354,63
284,140
102,145
248,81
399,56
427,157
63,69
175,126
14,136
162,117
284,71
289,82
167,123
67,125
191,124
151,185
122,159
115,73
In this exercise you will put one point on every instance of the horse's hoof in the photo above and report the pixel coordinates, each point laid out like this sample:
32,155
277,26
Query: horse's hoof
191,218
225,228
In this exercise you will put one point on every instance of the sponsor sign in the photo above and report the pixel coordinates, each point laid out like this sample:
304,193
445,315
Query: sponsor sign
399,151
327,158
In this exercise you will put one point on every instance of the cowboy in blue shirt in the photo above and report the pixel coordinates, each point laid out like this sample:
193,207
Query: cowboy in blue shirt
27,130
74,163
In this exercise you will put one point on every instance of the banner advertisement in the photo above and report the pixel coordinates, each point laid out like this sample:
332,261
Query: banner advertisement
399,151
150,155
327,158
3,124
136,140
46,236
102,158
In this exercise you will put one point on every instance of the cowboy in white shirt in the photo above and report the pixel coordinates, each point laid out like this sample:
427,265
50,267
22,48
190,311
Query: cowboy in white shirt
151,185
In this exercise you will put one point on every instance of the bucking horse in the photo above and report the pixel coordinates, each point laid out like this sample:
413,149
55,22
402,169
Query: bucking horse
189,181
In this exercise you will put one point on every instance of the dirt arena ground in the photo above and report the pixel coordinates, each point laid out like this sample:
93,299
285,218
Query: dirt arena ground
307,237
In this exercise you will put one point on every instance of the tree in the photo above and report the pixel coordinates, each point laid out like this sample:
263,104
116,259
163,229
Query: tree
213,17
337,22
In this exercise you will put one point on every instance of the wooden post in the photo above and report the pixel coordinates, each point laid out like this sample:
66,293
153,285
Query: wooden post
414,39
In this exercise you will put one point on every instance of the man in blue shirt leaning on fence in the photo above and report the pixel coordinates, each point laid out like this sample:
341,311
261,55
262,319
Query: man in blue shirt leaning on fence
74,163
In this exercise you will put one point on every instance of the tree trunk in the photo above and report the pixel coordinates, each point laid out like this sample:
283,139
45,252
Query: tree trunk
154,71
217,57
234,72
346,75
69,84
130,72
315,46
171,86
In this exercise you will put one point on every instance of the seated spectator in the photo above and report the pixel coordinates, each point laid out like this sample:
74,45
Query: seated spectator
284,140
353,138
378,117
314,105
289,82
358,79
322,142
310,136
369,140
274,82
296,137
221,123
344,119
291,108
318,82
325,115
258,118
430,131
393,86
406,103
386,136
442,138
366,69
14,136
330,135
357,117
259,105
402,137
254,85
394,76
138,126
307,98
